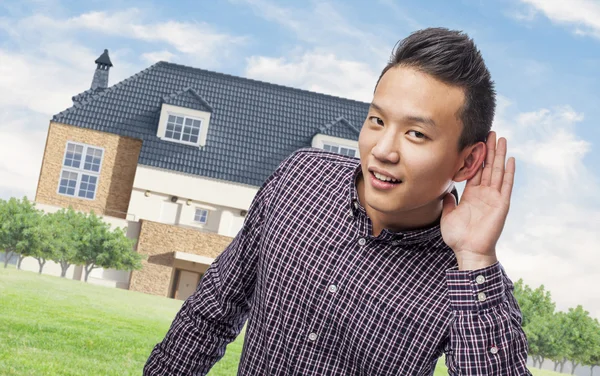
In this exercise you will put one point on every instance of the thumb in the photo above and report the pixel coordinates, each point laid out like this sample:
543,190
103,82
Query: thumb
449,204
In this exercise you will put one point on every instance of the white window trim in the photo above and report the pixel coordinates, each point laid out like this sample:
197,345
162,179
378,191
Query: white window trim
333,144
207,214
168,109
79,171
320,139
184,116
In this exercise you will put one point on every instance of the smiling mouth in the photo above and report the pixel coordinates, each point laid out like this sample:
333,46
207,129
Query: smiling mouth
385,179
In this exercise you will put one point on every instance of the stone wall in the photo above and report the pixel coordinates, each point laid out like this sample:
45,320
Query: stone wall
117,172
158,242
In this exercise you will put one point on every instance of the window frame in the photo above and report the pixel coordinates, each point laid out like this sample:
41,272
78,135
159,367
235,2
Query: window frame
80,171
181,141
206,217
333,144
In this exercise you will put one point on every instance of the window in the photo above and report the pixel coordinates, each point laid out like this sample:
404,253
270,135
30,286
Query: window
81,170
182,128
201,216
343,150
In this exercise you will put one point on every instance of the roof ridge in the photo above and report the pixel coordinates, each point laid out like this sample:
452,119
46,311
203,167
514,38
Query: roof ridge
133,78
254,81
339,119
342,119
202,100
190,89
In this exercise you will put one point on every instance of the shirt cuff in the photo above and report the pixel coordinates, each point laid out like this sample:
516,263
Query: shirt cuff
476,290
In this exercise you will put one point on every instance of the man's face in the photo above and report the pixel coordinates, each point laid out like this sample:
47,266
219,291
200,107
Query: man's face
411,134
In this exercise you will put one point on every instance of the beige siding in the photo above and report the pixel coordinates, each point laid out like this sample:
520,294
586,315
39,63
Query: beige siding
116,175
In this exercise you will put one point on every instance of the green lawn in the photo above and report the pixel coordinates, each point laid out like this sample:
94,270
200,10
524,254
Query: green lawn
54,326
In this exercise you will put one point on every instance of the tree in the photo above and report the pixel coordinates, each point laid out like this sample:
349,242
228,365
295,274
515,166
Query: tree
562,343
19,220
593,359
50,235
581,335
543,339
537,310
67,223
102,248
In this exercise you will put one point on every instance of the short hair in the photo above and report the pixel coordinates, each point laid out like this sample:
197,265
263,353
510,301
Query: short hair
452,57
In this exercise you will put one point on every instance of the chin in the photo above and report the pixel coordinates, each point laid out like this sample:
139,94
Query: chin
384,204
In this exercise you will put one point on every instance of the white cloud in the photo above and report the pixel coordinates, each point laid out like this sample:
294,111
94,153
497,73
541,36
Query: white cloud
320,72
156,56
20,153
548,142
583,15
199,41
323,25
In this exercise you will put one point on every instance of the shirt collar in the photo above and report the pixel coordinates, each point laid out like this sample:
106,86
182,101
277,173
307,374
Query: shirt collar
396,238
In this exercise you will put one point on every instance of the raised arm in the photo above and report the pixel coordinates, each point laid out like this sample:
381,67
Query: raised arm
486,337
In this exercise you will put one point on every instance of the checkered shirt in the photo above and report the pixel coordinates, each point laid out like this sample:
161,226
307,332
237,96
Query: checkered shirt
322,296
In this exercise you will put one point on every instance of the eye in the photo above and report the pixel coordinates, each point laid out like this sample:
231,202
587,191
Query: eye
376,120
417,134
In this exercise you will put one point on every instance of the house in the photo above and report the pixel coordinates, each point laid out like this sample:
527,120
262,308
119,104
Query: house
176,155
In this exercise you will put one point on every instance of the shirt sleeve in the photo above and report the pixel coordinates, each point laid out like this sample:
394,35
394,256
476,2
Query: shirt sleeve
486,337
215,314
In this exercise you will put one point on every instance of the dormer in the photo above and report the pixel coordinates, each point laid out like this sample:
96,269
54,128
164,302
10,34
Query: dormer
184,118
339,136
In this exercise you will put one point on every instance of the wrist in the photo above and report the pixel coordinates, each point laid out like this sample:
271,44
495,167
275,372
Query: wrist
470,261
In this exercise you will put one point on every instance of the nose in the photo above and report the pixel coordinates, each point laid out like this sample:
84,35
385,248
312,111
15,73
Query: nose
386,149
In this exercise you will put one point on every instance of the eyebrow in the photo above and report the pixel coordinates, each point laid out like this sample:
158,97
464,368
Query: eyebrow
409,118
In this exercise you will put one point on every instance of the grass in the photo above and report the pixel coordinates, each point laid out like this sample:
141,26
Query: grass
55,326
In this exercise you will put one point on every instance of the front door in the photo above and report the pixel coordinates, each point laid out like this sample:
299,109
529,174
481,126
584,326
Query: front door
186,285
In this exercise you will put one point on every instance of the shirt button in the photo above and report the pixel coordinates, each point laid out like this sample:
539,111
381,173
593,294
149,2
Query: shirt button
362,241
350,214
481,296
494,350
480,279
333,288
313,337
355,203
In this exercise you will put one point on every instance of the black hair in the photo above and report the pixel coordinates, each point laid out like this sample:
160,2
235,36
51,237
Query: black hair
452,57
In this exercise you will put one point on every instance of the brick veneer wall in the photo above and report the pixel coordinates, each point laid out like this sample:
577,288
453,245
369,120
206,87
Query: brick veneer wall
159,242
116,175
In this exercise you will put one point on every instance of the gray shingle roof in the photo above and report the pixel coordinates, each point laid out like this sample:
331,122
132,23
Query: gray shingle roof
254,125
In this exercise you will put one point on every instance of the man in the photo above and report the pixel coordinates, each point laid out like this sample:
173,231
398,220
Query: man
371,268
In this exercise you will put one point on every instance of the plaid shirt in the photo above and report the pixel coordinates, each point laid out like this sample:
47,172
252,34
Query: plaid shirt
324,297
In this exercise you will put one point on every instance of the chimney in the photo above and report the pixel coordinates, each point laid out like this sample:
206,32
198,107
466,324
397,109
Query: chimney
100,80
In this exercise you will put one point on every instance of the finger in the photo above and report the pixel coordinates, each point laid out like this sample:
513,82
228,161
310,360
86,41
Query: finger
509,179
476,180
486,176
499,165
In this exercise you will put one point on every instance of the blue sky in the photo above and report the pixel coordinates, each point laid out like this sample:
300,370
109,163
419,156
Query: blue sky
544,56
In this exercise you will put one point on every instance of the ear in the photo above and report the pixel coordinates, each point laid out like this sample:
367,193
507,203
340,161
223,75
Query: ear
471,161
